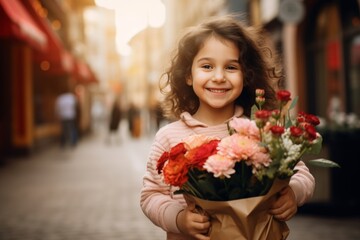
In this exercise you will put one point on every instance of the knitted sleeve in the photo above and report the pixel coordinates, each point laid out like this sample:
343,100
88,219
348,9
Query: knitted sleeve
302,183
157,201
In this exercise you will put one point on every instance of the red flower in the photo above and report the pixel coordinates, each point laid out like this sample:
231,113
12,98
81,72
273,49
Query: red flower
296,131
283,95
309,118
175,171
196,157
277,130
301,117
262,114
261,117
304,124
310,132
162,160
177,149
312,119
174,152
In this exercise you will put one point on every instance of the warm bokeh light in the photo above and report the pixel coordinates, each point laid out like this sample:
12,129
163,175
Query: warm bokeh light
56,25
131,19
45,65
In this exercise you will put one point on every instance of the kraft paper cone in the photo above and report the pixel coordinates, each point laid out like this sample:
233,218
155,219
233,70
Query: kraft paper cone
246,218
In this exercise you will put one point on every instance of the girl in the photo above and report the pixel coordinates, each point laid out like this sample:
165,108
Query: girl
212,78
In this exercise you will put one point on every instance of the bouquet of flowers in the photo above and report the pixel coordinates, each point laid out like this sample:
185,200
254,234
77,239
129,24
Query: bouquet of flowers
234,179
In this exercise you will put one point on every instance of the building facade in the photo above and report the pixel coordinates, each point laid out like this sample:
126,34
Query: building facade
37,63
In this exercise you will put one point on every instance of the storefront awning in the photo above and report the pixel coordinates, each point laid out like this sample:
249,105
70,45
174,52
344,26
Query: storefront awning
83,73
17,23
55,59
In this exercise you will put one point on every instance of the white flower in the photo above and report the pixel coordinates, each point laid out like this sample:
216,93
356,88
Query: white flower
292,150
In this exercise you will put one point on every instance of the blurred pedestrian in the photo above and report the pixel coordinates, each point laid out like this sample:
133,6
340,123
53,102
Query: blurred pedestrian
66,109
114,123
157,116
134,121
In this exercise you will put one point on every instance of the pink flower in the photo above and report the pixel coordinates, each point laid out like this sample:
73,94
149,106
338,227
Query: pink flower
259,92
260,158
197,140
220,166
246,127
237,147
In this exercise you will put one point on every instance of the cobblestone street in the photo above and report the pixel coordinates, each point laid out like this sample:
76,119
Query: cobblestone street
92,193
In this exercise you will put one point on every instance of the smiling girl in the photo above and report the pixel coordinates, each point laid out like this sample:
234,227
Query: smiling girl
212,78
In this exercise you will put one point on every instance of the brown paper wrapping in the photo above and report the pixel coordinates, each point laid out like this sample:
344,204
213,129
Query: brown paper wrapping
246,218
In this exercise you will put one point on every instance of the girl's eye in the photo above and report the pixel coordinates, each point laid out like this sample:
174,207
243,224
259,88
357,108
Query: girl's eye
232,67
207,66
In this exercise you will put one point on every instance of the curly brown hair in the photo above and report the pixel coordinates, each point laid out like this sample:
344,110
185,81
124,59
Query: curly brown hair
259,64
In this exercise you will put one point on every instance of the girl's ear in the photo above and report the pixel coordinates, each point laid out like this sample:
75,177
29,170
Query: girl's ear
189,80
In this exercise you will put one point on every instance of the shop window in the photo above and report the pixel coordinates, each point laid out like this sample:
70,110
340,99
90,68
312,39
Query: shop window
354,75
325,68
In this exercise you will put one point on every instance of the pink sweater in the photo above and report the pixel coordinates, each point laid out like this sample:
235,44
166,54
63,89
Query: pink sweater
159,203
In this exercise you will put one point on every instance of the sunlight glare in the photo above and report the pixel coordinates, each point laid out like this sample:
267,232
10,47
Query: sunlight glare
156,13
133,17
109,4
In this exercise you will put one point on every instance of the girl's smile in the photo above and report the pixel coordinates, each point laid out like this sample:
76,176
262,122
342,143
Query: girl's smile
215,90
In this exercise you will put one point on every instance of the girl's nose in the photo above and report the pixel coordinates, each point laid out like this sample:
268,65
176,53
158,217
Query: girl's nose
218,77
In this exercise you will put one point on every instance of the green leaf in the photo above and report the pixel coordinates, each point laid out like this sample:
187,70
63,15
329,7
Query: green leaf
288,121
294,102
323,163
254,108
316,148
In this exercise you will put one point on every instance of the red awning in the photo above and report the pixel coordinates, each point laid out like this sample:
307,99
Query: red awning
83,73
55,59
17,23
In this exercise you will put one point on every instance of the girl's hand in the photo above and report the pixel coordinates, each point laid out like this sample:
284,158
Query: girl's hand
285,206
192,223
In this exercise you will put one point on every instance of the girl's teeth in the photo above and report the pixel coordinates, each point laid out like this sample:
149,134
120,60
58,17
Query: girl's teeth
217,90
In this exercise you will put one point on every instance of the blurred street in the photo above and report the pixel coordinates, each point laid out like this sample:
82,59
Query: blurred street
91,192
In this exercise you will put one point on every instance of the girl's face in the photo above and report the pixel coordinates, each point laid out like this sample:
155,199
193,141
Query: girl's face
216,75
